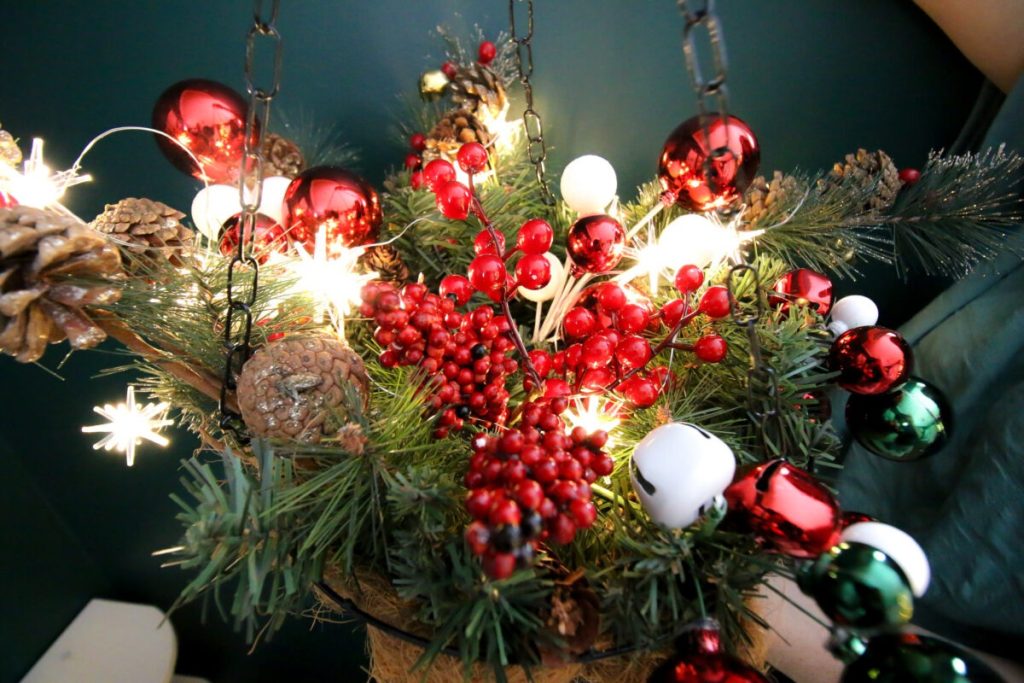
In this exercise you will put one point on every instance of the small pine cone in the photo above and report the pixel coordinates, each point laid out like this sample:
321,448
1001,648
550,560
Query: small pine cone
352,439
281,157
37,249
870,171
574,616
387,262
145,227
10,153
763,196
291,388
478,90
455,129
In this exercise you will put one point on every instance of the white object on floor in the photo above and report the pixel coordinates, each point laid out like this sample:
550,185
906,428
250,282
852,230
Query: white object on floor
111,642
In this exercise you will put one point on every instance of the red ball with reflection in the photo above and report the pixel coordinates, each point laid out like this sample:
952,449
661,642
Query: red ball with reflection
803,285
269,237
596,243
209,119
785,507
333,198
870,360
681,168
702,659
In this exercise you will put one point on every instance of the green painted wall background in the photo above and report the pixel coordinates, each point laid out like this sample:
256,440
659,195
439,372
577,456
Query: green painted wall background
815,80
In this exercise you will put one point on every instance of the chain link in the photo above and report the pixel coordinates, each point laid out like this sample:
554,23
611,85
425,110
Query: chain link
531,119
243,269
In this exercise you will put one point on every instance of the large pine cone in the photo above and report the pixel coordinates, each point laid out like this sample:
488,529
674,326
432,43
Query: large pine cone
763,197
387,262
873,172
281,157
37,249
455,129
290,388
145,227
478,90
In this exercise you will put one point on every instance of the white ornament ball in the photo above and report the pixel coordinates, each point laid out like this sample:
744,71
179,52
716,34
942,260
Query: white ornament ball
898,545
589,184
212,206
547,292
693,239
852,311
272,197
677,470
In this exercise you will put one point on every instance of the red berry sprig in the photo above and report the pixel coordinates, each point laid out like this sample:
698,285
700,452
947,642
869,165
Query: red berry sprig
531,485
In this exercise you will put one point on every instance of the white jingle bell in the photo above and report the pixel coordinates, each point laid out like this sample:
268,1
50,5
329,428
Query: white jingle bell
588,184
898,545
546,292
852,311
677,470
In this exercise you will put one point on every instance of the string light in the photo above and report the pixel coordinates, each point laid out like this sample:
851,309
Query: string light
128,424
594,413
36,185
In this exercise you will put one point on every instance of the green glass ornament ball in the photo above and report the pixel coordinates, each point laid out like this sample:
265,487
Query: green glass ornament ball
912,658
909,423
858,586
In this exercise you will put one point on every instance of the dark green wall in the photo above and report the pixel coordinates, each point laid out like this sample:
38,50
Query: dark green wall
814,79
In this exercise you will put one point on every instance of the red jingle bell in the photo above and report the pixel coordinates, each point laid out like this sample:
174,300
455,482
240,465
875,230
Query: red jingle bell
870,360
335,199
805,286
681,168
785,507
702,659
596,243
207,118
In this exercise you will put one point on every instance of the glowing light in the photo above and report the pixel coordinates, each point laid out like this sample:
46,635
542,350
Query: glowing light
129,424
333,282
36,185
594,413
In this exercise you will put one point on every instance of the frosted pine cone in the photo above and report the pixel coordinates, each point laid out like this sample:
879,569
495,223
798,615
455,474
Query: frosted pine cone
38,249
145,227
290,389
872,172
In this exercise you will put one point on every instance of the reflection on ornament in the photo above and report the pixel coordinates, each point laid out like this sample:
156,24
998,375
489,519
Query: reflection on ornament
37,185
899,546
909,423
128,424
333,198
870,360
702,659
596,243
915,658
588,184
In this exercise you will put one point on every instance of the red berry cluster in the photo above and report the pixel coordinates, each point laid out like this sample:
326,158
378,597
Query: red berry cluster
464,355
531,485
607,347
488,272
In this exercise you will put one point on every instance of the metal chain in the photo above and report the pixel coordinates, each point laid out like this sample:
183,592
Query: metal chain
243,270
531,119
763,399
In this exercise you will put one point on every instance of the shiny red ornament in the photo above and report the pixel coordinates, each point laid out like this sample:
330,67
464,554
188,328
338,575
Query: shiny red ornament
208,118
486,53
437,173
418,142
711,348
533,271
702,659
785,507
453,200
269,237
715,302
535,236
472,157
487,273
596,243
803,286
909,176
681,168
850,517
689,278
335,199
870,360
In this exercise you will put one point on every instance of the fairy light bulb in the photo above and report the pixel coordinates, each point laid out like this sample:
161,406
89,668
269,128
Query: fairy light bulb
129,424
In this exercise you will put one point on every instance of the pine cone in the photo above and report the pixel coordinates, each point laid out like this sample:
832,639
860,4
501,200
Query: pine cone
281,157
289,389
387,262
38,248
477,89
870,171
455,129
10,153
145,227
763,196
574,616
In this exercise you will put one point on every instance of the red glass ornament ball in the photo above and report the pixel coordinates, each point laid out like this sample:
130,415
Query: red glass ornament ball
269,237
487,273
412,161
681,168
456,287
909,176
689,278
711,348
486,53
437,173
483,243
472,157
702,659
785,507
715,302
870,360
803,285
596,243
208,118
578,323
533,271
535,236
333,198
453,200
418,142
450,70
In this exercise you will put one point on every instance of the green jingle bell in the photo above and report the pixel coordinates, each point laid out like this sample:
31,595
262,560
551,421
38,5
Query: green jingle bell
909,423
859,586
912,658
